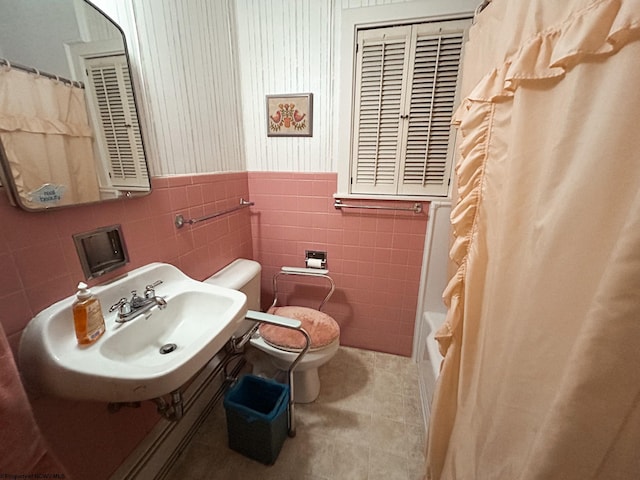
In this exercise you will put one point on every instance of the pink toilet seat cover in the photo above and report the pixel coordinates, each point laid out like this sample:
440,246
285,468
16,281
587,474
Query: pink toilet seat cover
322,329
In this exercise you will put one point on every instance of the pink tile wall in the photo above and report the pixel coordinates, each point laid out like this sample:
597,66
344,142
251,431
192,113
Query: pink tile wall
39,266
374,256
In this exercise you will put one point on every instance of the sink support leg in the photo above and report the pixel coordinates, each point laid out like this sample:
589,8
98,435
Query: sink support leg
171,411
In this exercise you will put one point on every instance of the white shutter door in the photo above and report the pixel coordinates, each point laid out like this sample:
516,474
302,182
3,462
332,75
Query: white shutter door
111,86
427,154
382,65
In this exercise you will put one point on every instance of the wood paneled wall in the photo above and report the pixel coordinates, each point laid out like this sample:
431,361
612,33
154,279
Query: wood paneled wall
205,69
286,46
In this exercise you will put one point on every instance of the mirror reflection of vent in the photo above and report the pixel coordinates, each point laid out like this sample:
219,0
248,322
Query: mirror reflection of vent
111,86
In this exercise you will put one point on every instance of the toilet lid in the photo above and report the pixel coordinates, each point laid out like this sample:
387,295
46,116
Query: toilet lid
322,329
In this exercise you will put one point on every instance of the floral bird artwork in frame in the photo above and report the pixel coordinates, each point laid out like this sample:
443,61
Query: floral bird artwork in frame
287,117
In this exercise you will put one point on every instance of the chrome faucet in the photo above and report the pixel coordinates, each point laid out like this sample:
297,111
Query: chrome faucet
130,309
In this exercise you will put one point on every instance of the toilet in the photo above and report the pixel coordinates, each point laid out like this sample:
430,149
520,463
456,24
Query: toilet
275,348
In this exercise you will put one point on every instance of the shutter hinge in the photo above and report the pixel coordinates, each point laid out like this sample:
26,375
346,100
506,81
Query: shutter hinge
357,47
351,180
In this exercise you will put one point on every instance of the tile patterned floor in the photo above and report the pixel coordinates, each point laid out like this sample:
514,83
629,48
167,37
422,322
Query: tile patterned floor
365,425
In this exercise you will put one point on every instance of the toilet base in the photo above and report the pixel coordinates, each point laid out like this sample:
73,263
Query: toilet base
306,383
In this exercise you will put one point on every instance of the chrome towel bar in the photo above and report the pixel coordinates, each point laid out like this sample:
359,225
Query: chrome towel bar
180,221
417,207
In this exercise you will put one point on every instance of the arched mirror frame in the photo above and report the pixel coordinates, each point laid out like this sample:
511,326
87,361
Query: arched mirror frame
110,189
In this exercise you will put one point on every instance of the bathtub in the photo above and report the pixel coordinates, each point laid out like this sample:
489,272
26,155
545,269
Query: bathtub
429,360
433,321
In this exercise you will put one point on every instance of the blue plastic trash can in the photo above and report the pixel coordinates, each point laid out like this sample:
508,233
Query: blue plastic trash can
256,410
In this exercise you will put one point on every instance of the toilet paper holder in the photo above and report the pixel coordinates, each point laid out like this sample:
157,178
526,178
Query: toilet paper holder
315,259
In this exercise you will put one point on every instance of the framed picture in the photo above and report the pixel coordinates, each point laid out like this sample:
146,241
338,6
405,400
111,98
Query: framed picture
290,115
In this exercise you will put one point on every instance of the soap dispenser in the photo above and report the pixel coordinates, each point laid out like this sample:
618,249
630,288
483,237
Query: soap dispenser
87,316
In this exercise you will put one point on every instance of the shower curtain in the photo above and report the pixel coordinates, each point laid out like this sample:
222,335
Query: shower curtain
541,375
46,136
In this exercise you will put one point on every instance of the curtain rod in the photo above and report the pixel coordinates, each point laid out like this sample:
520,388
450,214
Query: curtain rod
52,76
480,8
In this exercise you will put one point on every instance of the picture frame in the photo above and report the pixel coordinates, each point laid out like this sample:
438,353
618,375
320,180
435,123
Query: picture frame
290,115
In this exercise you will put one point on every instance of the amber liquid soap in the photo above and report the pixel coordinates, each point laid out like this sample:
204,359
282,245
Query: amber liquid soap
87,316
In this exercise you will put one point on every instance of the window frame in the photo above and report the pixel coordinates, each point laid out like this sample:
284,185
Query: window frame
78,53
132,138
352,21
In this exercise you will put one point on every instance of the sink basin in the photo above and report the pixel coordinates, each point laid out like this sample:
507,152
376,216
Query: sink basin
149,356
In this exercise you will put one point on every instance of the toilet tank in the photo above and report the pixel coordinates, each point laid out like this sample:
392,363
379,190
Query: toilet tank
242,275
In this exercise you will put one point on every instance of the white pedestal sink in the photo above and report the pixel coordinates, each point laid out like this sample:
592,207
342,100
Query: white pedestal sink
126,363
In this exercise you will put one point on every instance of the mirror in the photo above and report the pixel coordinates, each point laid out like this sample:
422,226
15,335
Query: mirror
69,127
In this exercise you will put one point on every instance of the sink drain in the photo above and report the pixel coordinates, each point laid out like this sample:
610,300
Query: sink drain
167,348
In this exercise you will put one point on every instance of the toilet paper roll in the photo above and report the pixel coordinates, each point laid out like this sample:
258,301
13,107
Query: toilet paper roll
314,263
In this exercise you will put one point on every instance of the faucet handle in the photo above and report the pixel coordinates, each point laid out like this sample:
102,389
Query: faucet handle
122,305
150,290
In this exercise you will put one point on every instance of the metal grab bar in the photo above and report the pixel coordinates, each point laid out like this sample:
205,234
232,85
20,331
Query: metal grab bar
180,221
417,207
308,273
293,325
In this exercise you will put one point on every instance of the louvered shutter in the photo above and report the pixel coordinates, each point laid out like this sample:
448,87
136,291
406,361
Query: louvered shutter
383,60
433,82
404,114
111,86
